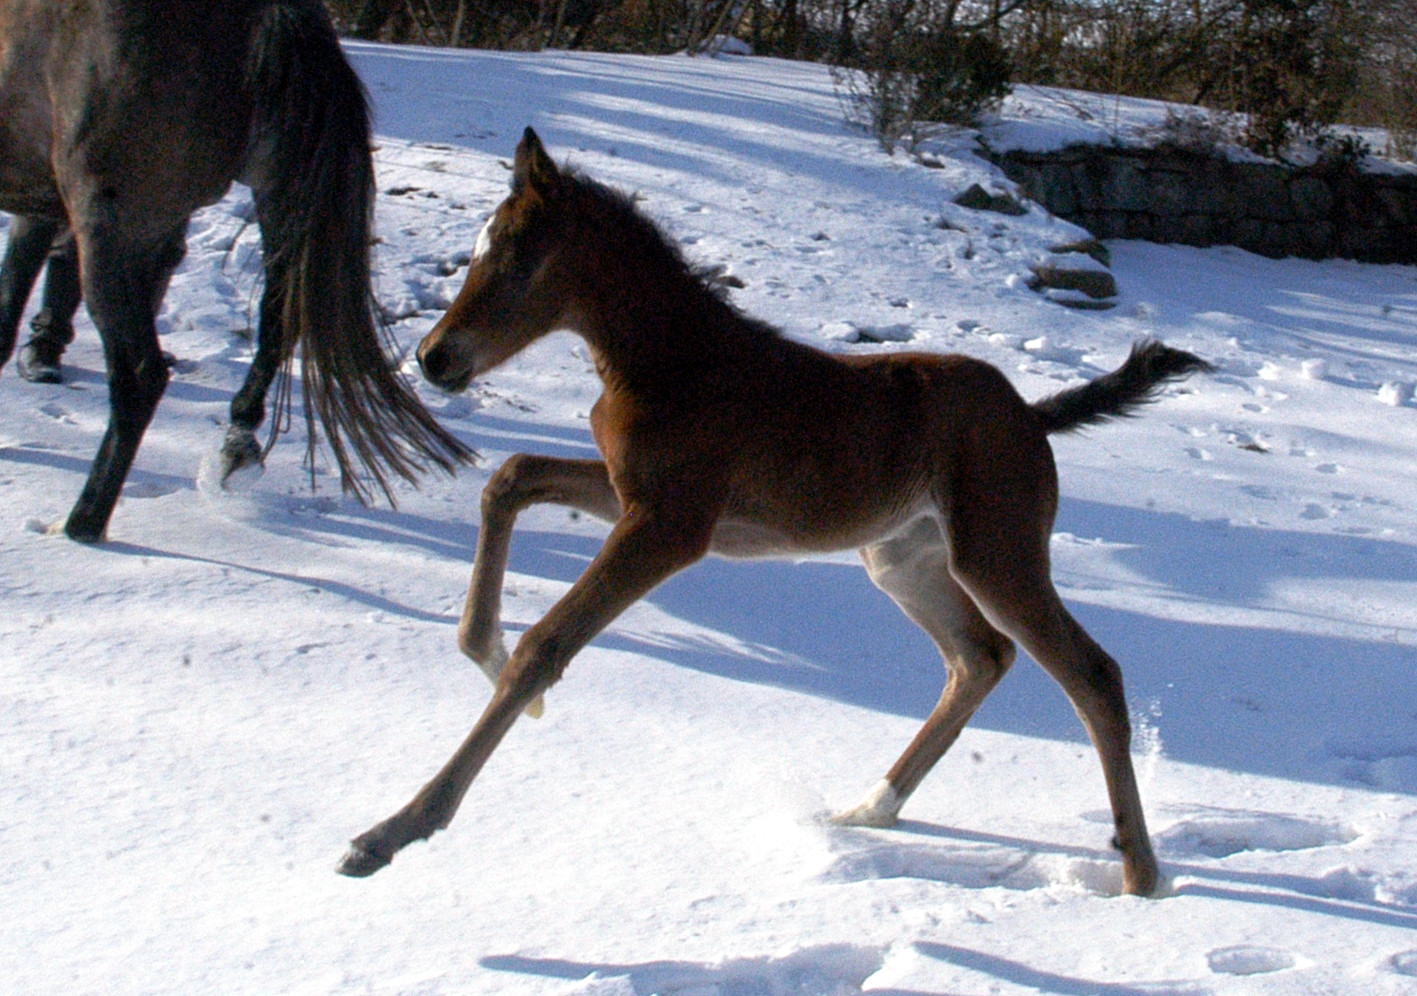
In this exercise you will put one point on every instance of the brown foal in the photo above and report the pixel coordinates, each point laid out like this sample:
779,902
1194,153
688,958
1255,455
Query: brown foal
719,435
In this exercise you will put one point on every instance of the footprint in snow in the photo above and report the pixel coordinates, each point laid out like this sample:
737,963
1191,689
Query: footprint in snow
1390,765
57,412
974,866
1405,963
1220,835
1260,491
970,867
1246,441
1357,885
1245,959
150,489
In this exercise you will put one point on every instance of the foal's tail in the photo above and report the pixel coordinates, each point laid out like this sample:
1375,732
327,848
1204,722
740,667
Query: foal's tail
1121,392
313,176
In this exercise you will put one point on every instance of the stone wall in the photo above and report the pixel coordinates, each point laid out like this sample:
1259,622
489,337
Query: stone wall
1180,195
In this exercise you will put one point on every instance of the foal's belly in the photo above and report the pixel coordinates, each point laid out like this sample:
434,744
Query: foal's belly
740,538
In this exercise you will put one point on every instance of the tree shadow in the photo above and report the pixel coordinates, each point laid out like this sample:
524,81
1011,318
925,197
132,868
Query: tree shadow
1020,974
631,112
827,968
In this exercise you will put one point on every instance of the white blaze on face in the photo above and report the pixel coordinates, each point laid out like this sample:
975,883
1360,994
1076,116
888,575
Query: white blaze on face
484,242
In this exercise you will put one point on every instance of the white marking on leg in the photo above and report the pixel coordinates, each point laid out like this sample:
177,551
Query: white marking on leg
496,660
493,666
877,809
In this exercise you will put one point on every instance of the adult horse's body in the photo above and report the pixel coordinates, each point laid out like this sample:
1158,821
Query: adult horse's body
720,435
122,117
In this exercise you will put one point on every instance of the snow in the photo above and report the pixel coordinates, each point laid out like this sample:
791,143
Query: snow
1040,119
200,712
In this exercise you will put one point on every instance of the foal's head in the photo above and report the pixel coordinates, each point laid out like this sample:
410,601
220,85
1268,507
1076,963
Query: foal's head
518,284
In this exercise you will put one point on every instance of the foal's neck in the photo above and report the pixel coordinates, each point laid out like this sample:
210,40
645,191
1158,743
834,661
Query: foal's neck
657,327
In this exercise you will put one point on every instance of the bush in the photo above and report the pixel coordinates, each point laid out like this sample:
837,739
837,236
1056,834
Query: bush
907,80
959,78
1199,130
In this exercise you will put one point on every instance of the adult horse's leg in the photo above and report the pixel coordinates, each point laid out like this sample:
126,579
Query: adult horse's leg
25,253
646,546
913,570
310,168
123,282
248,408
53,327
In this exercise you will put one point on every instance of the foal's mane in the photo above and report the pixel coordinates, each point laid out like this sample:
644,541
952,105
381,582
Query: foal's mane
630,230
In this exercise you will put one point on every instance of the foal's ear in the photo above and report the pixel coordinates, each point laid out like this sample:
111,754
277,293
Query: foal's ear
533,167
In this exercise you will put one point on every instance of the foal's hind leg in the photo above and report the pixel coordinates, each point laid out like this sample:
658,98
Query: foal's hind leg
914,571
1010,583
520,482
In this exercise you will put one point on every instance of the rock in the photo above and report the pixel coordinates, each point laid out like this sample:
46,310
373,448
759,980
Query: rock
978,199
1088,247
1074,272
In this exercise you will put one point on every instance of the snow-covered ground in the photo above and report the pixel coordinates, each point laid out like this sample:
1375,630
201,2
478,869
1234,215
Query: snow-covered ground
196,715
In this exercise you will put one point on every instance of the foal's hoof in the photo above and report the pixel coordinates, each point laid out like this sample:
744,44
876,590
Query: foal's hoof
1142,879
360,862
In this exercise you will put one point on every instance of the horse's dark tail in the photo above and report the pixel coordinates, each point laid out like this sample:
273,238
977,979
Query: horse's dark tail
1121,392
313,175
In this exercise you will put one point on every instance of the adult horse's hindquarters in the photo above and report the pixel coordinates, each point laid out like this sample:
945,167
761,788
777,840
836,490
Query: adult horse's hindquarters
122,117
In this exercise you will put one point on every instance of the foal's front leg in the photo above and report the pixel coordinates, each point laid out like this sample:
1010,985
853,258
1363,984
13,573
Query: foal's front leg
646,546
522,481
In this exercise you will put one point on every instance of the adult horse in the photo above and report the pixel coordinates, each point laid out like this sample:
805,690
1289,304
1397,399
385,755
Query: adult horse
720,435
121,118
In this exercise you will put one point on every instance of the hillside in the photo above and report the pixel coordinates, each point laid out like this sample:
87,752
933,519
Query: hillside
199,713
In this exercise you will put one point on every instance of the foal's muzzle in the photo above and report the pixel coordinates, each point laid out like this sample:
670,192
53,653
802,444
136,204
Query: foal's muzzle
442,369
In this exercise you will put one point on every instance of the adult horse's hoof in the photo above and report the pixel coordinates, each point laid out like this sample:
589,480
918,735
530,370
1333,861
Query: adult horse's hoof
359,862
238,452
39,364
81,529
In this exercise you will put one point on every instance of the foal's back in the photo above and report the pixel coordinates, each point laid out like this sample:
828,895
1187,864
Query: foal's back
825,452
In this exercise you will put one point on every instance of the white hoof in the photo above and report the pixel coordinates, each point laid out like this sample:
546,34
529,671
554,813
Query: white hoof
878,809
